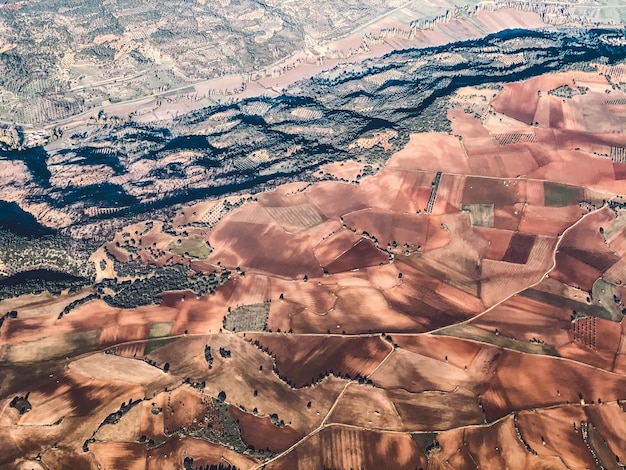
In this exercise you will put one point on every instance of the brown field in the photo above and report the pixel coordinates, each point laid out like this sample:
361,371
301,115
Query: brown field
584,254
262,434
523,381
362,255
549,221
519,248
344,447
304,360
526,319
346,170
499,241
403,229
335,199
335,245
430,151
239,375
398,410
171,454
501,279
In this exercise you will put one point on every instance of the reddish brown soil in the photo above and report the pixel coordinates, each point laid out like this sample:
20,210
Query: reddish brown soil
389,227
519,248
499,241
525,381
454,351
336,199
260,433
340,447
335,245
525,319
574,272
172,453
304,360
550,221
398,410
361,255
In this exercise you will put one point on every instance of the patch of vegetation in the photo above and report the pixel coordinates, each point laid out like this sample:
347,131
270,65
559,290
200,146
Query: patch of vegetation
11,314
77,303
55,253
115,417
208,356
147,290
160,329
482,214
192,247
581,308
424,440
21,404
560,195
156,343
564,91
248,318
223,429
607,296
478,334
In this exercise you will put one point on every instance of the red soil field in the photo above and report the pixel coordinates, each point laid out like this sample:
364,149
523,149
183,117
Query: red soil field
501,193
524,381
262,434
454,351
416,373
430,302
307,295
111,455
171,454
398,189
467,125
431,151
550,221
304,360
273,251
508,101
361,255
376,315
449,194
519,248
524,319
335,245
339,447
335,199
501,279
578,352
414,230
398,410
501,444
574,272
619,170
499,241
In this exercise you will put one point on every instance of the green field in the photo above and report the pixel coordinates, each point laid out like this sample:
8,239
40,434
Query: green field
154,344
194,247
160,329
482,214
478,334
560,195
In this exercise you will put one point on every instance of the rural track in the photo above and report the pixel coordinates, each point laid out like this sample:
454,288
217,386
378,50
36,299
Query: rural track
501,301
325,425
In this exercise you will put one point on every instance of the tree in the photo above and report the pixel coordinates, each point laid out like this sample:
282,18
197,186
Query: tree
222,396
